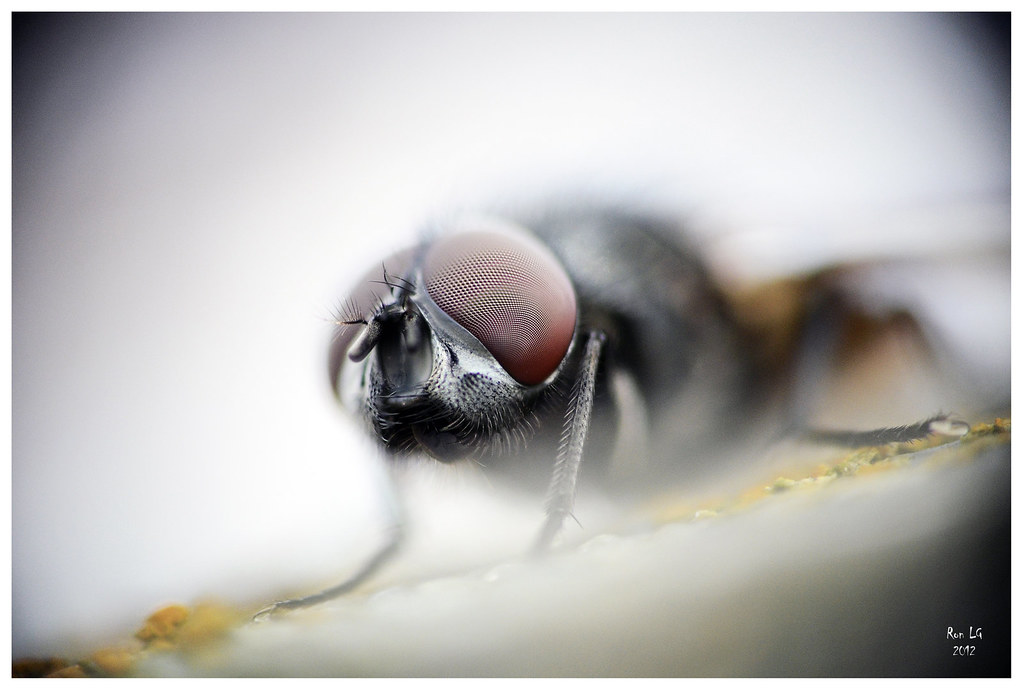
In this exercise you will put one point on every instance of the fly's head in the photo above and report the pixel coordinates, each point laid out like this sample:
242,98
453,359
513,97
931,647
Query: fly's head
448,347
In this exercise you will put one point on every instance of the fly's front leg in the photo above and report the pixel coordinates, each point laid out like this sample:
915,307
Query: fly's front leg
561,494
384,553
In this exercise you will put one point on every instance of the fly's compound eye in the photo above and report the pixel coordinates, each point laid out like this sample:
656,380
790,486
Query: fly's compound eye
508,292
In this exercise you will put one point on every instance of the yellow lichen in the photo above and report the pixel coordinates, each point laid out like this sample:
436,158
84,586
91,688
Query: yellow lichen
113,661
780,484
36,667
163,624
73,671
207,623
178,627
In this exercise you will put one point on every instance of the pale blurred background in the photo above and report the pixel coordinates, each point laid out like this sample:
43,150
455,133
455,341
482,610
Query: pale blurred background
192,193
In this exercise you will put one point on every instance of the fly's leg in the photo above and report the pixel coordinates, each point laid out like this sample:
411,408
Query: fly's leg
821,341
384,553
561,494
942,425
389,548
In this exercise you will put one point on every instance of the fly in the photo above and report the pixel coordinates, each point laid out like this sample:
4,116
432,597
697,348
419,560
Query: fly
593,337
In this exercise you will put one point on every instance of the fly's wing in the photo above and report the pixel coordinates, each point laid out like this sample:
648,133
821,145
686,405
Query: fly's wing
849,347
925,287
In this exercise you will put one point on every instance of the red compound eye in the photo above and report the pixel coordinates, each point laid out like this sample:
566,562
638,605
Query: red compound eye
510,293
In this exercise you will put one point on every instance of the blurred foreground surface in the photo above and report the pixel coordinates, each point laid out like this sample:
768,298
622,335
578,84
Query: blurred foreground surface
889,562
